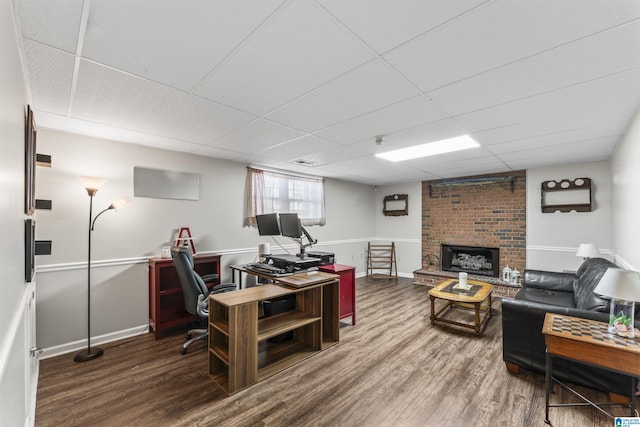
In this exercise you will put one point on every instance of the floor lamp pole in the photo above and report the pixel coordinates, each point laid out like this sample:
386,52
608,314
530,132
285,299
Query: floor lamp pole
89,353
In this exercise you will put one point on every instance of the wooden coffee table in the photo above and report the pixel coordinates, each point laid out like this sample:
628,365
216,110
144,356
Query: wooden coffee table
478,299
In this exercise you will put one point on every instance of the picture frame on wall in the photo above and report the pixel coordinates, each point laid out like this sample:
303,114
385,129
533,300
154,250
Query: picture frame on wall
30,162
29,249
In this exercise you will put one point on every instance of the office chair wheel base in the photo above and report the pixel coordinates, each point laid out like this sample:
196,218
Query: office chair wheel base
183,351
188,336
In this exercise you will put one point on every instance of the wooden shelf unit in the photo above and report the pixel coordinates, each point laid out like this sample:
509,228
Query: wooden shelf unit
382,257
166,304
239,351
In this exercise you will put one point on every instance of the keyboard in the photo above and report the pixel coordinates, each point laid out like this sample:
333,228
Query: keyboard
260,267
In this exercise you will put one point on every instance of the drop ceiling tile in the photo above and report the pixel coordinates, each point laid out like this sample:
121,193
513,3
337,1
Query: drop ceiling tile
255,136
82,127
219,153
298,149
384,24
105,95
430,132
402,115
586,59
550,140
500,33
577,152
50,74
53,23
48,120
558,128
335,153
456,158
168,143
294,52
367,88
167,41
606,99
370,165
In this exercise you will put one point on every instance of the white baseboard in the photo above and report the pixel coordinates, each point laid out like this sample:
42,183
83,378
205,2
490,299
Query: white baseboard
98,340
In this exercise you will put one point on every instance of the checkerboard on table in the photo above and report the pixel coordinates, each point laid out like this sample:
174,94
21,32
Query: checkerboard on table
590,329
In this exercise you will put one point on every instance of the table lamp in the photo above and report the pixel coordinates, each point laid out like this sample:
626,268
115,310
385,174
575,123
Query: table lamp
588,250
623,286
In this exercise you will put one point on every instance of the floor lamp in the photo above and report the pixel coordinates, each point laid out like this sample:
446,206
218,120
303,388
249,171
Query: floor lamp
92,186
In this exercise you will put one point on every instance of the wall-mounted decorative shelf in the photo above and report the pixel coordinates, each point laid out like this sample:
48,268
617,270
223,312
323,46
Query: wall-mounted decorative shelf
43,160
463,182
566,195
396,205
43,204
43,247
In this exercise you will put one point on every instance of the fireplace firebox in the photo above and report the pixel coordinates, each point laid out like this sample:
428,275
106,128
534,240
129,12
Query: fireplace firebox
471,259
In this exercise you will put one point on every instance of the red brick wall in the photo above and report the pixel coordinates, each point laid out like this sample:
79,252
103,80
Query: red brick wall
477,215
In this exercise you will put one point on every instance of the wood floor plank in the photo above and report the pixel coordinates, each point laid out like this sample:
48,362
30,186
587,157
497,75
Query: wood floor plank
393,369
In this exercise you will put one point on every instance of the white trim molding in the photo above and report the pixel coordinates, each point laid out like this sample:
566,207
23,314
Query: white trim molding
14,327
565,249
97,340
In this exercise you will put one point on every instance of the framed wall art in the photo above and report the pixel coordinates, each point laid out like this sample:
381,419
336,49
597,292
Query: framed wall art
29,162
29,249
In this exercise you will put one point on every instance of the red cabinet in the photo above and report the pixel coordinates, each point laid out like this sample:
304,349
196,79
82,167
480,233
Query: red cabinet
166,305
347,275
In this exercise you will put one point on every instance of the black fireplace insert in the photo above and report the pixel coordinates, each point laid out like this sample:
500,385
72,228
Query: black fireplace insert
471,259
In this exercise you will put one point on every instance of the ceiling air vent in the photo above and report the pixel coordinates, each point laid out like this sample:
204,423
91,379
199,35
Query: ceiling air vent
305,163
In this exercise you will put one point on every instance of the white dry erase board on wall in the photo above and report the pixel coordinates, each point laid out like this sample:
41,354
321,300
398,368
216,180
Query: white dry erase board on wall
165,184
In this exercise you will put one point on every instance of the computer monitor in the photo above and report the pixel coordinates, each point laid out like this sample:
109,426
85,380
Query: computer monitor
290,225
268,224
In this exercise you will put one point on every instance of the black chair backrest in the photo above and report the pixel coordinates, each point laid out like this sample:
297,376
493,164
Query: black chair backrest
191,282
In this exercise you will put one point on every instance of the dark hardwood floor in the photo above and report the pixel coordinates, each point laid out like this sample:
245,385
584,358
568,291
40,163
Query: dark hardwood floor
392,369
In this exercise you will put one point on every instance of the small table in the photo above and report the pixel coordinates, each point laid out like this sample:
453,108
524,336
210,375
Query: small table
477,298
589,342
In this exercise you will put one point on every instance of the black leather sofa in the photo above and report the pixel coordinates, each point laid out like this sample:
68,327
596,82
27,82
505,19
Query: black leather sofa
570,294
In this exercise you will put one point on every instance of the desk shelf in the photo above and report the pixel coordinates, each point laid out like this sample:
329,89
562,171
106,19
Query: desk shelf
240,353
284,322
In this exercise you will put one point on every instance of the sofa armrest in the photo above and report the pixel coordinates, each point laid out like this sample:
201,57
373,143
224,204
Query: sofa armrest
549,280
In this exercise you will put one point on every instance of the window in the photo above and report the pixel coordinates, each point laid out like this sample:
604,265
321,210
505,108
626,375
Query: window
280,192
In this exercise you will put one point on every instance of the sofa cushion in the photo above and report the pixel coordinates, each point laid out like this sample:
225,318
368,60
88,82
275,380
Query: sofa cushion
588,277
547,296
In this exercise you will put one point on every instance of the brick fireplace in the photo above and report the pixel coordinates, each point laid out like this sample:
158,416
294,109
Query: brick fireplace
477,211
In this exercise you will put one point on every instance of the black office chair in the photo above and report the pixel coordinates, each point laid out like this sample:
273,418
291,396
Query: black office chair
195,292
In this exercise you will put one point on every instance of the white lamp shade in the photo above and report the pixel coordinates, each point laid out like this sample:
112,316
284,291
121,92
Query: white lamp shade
588,250
620,284
120,203
92,182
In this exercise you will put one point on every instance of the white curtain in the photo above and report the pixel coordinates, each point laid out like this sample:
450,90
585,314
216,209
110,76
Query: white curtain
285,193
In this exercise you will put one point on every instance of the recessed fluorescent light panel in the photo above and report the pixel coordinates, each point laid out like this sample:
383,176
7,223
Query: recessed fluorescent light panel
430,149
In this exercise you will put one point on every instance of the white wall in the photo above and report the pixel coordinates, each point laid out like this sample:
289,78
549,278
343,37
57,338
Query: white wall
122,241
16,405
405,231
625,198
553,238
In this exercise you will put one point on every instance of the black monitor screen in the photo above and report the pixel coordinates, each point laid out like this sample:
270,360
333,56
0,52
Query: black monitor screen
290,225
268,224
